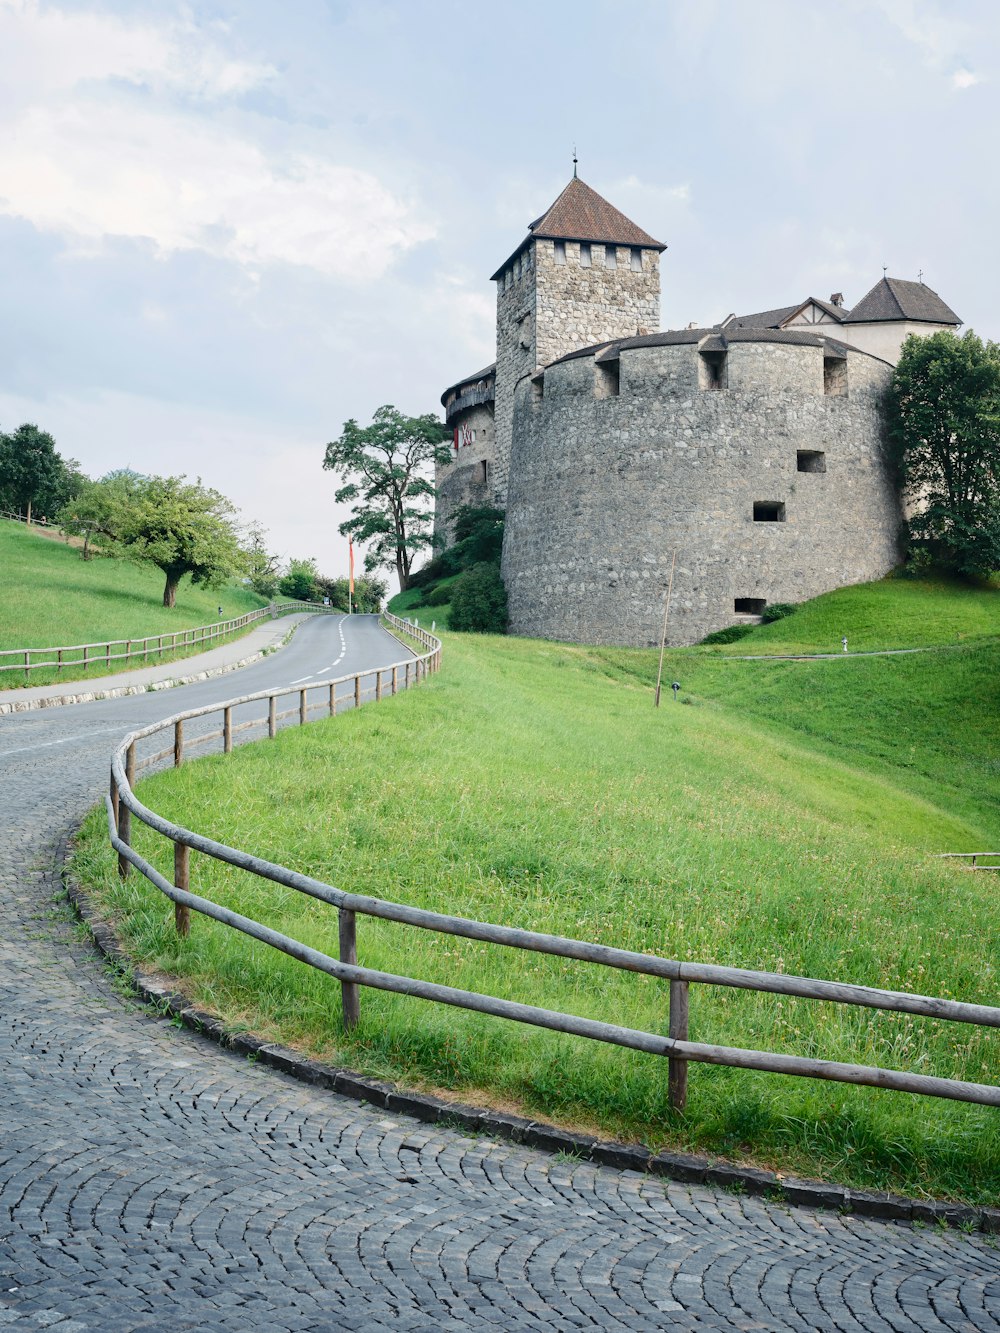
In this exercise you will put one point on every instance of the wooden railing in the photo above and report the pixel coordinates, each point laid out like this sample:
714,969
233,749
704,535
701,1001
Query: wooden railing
122,805
87,655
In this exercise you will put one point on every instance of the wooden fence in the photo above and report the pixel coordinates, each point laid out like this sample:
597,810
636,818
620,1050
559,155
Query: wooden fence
87,655
122,805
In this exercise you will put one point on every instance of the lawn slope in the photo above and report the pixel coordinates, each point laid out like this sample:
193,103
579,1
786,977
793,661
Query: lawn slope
533,784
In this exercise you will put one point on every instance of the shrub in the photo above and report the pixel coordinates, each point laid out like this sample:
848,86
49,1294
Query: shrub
731,634
777,611
479,601
439,596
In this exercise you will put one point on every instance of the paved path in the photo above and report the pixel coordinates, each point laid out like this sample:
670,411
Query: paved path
151,1180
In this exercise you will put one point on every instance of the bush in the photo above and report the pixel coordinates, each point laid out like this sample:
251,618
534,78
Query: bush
731,634
777,611
479,601
439,596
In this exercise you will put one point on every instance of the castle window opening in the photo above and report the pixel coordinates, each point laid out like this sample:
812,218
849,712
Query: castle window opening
607,379
483,472
610,256
538,389
584,255
560,251
712,370
768,511
835,376
749,606
636,260
810,460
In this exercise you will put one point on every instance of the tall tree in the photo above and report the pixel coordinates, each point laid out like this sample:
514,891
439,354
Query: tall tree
33,475
181,527
944,427
97,508
262,565
387,469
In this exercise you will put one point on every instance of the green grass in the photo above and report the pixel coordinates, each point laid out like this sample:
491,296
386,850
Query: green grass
49,597
533,784
410,605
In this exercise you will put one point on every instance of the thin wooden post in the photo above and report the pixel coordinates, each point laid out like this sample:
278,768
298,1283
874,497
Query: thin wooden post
227,731
378,685
395,679
59,659
182,879
128,650
178,742
272,717
406,677
27,665
125,814
349,995
113,792
663,635
333,699
357,691
677,1072
302,708
107,654
85,657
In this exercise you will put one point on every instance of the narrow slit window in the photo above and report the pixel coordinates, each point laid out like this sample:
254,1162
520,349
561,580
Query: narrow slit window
712,370
768,511
810,460
538,389
610,256
749,606
584,255
607,379
560,251
482,473
636,260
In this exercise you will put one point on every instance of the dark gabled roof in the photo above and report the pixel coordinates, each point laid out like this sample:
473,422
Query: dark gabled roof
893,299
471,379
581,214
718,339
774,319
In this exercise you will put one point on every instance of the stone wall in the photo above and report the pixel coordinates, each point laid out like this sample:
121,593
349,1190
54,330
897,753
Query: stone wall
468,478
547,309
603,489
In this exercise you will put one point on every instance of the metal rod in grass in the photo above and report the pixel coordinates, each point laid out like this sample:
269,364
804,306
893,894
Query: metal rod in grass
663,635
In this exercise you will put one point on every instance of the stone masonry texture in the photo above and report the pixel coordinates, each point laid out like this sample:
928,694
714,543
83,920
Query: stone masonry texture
605,487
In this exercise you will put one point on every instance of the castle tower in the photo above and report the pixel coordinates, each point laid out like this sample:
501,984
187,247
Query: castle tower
584,274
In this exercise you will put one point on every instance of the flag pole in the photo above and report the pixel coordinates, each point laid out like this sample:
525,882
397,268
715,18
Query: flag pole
663,635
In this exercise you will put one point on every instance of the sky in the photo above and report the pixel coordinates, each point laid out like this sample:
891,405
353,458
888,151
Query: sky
228,226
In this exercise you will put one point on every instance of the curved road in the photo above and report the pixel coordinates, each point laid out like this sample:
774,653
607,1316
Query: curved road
150,1180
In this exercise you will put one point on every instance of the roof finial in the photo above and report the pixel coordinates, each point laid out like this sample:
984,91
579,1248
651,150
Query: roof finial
920,276
574,161
885,269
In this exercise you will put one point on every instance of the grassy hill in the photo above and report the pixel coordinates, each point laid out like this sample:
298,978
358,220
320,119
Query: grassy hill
783,816
50,597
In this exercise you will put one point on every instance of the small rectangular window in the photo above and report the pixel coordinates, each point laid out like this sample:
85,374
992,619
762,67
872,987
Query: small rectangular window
768,511
810,460
607,379
483,472
584,255
636,259
749,606
835,376
560,251
712,373
610,256
538,389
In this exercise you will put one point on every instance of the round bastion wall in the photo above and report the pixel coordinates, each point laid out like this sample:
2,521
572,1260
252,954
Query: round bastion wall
763,468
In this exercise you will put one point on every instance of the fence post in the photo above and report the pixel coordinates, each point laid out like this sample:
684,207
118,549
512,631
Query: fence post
302,708
350,999
357,691
378,685
395,679
678,1074
272,717
178,742
85,657
125,814
182,879
227,731
333,699
27,665
59,667
113,790
406,678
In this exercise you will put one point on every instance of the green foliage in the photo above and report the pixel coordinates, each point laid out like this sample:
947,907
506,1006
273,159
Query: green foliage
369,593
731,634
33,475
389,487
261,565
479,601
95,510
777,611
944,427
477,531
299,581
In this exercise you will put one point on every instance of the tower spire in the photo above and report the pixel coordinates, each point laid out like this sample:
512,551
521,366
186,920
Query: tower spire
574,161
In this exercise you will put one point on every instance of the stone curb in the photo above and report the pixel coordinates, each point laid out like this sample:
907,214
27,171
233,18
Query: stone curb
122,691
683,1167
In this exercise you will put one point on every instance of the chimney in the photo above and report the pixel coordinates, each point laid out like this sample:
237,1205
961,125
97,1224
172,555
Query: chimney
837,298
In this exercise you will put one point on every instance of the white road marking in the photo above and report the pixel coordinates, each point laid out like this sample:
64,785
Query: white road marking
300,680
63,740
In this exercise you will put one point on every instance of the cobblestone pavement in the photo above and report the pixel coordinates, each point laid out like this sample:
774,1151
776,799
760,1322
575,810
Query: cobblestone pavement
150,1180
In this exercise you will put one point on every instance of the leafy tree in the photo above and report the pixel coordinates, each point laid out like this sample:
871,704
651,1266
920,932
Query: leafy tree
96,508
478,534
369,593
181,527
262,566
33,475
944,426
479,601
299,580
387,464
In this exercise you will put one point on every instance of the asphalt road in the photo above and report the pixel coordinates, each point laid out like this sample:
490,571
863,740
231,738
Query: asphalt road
150,1180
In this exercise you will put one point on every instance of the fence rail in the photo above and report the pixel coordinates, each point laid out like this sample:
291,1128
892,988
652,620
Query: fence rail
87,655
122,805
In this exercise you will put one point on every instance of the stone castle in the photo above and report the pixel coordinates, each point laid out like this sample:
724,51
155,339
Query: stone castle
749,455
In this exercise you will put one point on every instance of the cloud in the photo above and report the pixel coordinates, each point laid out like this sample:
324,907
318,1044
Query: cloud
86,155
964,78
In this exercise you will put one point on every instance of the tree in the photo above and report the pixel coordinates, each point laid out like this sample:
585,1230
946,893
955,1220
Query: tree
478,534
389,461
98,506
299,581
181,527
261,565
33,475
479,601
944,427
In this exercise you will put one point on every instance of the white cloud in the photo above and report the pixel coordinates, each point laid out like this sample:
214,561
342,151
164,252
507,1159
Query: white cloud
964,78
84,157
